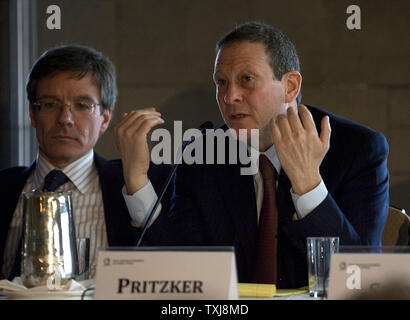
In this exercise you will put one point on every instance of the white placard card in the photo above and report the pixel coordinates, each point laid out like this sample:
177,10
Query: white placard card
166,273
369,275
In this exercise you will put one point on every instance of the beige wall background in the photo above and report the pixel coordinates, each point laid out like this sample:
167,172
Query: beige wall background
164,54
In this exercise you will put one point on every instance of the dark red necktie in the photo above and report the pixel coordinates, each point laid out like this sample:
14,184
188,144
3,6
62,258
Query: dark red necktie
266,269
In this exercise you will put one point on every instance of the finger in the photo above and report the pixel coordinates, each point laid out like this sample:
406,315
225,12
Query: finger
134,118
325,131
276,135
123,123
148,123
306,118
284,127
142,124
139,112
294,121
130,125
144,110
136,135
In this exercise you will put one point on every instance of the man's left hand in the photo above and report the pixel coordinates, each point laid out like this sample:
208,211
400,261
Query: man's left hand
300,148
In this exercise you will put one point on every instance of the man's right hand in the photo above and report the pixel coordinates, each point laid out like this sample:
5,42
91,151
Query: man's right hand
131,138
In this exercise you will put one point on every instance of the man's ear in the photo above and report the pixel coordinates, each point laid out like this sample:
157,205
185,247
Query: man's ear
32,113
107,115
292,82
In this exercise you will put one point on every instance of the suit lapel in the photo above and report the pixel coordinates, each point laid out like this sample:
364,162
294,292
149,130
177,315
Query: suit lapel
286,208
11,193
238,194
117,219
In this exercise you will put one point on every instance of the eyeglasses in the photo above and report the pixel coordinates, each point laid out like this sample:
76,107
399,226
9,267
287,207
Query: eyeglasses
81,107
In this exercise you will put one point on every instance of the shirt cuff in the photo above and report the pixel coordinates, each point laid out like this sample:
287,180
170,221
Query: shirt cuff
140,204
307,202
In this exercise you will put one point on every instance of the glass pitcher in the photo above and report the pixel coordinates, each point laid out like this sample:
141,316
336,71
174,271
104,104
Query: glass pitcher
49,253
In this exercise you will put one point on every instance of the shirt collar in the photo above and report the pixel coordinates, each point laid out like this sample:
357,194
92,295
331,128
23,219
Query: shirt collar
270,154
273,157
79,171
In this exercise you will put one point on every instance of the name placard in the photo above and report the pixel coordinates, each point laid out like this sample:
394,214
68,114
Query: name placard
369,276
166,273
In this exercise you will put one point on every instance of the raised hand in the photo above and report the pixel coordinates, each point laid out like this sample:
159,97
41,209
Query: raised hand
131,138
299,147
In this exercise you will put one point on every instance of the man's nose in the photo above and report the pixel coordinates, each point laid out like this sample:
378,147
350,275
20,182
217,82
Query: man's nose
65,115
232,94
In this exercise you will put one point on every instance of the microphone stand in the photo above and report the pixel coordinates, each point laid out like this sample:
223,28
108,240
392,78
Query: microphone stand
203,127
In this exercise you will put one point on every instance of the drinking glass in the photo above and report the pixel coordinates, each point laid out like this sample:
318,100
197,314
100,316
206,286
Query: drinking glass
319,251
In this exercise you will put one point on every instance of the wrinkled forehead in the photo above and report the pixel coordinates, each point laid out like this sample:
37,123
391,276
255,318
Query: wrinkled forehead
241,54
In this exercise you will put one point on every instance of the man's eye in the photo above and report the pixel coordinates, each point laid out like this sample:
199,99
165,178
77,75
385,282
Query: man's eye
83,106
220,82
247,78
50,105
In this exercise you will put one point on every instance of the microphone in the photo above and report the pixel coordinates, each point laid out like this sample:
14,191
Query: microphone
202,128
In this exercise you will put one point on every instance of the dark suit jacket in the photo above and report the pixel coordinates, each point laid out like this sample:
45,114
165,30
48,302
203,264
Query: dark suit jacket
120,232
214,205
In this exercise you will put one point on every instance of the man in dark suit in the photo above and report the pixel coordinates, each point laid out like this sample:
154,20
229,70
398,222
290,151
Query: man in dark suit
215,205
72,92
331,173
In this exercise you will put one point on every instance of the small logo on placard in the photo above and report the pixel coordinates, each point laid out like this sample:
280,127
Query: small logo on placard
107,261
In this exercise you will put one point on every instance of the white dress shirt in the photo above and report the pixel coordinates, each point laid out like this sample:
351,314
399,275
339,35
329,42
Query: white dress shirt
141,202
304,204
87,204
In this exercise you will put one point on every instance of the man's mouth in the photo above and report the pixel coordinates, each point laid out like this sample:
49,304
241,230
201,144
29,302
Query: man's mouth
238,116
64,137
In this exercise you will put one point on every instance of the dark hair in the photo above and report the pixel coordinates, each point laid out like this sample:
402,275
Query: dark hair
81,60
282,52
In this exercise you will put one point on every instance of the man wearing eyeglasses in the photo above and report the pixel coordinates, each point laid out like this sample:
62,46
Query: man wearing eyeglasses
72,92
